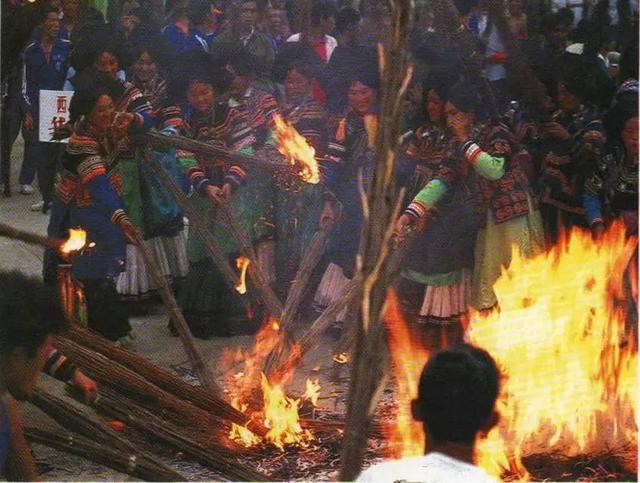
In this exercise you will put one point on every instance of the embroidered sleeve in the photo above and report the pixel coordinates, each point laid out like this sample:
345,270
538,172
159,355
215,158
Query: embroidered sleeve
59,366
487,166
426,198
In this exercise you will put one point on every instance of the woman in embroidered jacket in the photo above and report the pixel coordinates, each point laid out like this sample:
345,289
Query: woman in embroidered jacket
163,232
239,122
91,186
298,204
505,208
350,161
436,280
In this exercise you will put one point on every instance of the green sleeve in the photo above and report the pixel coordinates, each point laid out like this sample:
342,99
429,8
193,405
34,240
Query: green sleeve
431,193
488,166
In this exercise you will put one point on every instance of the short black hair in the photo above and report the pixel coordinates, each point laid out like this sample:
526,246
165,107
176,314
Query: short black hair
45,10
29,312
320,10
347,18
156,46
457,393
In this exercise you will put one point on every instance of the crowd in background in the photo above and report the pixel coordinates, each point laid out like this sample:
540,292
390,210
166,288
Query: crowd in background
483,170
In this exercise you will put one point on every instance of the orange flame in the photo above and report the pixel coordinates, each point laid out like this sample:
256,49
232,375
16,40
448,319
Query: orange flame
279,413
341,358
295,148
76,241
406,436
242,263
559,336
312,392
281,417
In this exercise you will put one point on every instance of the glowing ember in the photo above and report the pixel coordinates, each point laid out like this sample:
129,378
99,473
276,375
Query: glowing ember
341,358
312,392
281,417
295,148
242,263
571,370
406,436
77,240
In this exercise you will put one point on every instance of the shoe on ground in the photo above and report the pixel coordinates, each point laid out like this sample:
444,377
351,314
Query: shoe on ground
39,206
27,189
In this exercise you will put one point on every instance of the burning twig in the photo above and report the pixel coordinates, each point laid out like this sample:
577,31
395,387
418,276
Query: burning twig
293,146
242,263
160,377
63,246
256,274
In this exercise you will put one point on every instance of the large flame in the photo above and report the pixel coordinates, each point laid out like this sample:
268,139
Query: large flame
295,148
242,263
76,241
560,339
279,413
405,435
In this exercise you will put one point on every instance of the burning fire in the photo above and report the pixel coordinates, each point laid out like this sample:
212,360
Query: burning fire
242,263
312,393
295,148
279,413
341,358
559,336
76,241
406,436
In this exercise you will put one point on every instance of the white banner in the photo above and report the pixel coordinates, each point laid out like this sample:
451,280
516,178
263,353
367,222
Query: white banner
54,113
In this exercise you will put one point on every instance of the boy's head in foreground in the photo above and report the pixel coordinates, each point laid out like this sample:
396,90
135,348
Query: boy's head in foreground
30,313
456,395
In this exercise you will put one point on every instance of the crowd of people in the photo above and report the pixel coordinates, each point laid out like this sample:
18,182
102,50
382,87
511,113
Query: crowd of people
484,169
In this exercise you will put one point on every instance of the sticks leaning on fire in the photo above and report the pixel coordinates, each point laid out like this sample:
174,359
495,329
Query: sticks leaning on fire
76,420
310,259
105,454
129,382
219,459
162,378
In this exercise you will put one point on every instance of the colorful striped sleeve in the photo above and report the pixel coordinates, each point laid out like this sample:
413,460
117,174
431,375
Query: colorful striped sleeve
426,198
487,166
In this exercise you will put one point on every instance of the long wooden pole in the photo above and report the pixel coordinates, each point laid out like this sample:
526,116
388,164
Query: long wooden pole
203,371
8,231
198,222
381,208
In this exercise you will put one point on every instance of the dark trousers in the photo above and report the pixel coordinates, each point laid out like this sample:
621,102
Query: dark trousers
9,129
106,313
40,158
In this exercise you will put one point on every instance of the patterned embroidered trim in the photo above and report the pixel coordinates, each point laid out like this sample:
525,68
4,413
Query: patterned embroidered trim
416,209
236,176
119,217
471,151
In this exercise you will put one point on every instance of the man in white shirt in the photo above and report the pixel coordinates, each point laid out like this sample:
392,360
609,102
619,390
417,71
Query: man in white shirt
456,402
323,21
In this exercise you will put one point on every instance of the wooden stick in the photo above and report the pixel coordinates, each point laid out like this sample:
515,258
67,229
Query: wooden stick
203,371
72,418
310,259
382,206
207,151
162,378
268,296
104,454
219,459
319,326
199,223
8,231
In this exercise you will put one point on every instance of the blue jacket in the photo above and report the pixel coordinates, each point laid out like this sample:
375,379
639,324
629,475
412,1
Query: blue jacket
39,74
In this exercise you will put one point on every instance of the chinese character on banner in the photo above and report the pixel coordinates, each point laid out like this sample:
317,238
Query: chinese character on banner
62,104
54,113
